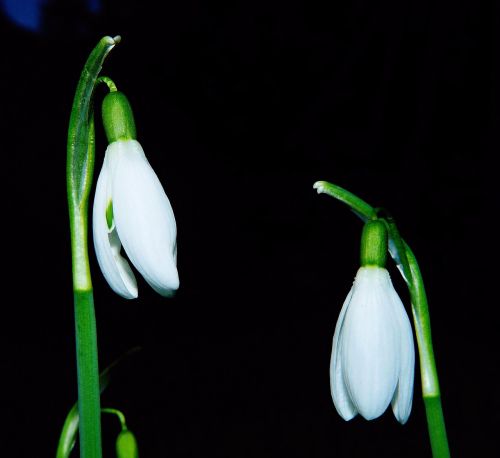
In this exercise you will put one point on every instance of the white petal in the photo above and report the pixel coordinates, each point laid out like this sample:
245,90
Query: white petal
114,267
340,395
403,397
370,343
143,215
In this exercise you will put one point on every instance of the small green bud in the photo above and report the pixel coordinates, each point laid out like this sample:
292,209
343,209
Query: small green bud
374,244
126,445
117,117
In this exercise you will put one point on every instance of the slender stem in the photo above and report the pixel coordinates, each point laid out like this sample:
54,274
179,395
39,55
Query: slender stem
88,375
108,82
118,413
429,376
85,332
79,173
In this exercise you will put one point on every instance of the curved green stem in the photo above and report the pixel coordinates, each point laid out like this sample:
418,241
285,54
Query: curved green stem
358,206
429,376
79,173
108,82
409,269
118,413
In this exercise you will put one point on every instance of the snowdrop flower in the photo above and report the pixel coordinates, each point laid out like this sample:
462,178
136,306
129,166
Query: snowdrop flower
373,356
132,209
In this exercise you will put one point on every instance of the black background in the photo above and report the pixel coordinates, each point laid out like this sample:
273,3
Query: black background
241,107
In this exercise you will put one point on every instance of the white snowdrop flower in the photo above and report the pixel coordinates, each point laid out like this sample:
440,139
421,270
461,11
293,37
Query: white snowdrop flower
373,356
132,210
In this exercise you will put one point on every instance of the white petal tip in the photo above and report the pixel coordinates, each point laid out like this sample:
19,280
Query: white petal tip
370,415
402,420
128,294
402,412
347,417
165,284
319,186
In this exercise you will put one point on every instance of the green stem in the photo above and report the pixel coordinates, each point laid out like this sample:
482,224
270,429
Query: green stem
408,265
118,413
88,375
108,82
428,370
79,173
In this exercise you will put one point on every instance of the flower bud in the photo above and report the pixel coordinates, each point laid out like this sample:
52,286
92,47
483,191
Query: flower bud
126,445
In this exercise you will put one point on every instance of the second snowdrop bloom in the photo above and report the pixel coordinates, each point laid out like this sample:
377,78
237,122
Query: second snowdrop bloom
132,209
373,356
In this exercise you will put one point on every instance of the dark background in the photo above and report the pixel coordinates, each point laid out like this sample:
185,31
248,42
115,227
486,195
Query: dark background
241,107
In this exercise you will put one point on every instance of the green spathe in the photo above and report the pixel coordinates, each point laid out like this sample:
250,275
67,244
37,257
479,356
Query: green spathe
118,118
374,244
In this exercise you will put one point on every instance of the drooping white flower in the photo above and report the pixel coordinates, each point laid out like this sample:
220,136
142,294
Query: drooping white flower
132,209
373,356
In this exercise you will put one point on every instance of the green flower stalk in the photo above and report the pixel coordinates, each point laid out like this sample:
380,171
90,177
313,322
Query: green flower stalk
79,173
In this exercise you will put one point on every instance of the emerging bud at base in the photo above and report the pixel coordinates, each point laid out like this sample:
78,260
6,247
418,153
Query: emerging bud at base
126,445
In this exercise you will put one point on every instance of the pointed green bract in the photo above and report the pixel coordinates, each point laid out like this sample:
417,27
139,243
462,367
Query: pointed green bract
80,146
358,206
